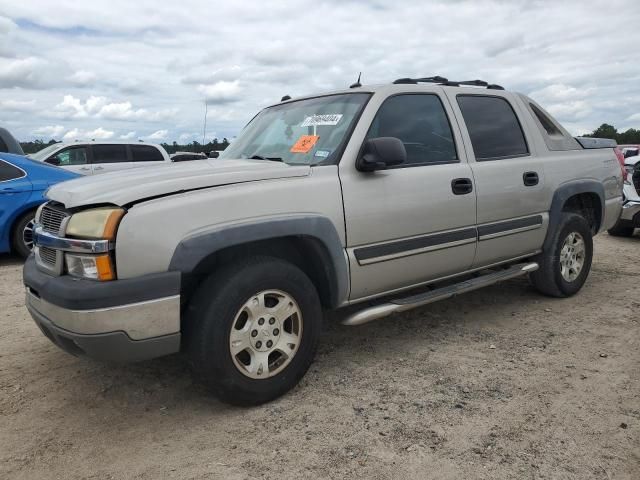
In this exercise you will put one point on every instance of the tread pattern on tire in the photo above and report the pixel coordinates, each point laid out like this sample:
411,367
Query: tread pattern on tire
206,335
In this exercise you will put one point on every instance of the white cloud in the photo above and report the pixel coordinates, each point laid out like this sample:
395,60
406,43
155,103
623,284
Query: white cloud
50,131
26,72
142,69
83,78
78,134
101,107
18,105
128,136
220,92
158,135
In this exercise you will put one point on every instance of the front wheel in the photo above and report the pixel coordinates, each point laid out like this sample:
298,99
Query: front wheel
22,238
252,330
565,266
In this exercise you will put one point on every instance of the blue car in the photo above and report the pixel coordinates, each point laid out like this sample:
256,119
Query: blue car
22,185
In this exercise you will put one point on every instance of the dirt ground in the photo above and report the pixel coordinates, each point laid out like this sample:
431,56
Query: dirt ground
499,383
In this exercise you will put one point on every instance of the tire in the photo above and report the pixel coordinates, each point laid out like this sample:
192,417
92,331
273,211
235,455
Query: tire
621,229
223,303
19,241
549,278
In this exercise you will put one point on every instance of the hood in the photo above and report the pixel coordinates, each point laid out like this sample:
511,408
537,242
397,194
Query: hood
128,186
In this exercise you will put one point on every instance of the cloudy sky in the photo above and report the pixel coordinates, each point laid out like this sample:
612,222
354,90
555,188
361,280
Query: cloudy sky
144,69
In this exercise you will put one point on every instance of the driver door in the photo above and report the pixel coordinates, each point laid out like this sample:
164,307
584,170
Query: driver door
410,224
75,159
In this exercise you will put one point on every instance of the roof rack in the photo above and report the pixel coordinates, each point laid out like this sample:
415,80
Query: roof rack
449,83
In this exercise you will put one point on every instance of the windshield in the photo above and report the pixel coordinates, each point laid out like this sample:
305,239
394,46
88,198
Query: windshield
45,152
306,132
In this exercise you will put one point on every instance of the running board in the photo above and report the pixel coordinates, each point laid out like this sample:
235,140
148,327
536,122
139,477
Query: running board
407,303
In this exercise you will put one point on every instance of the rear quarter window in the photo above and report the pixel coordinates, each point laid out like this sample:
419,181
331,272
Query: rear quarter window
145,153
493,127
9,172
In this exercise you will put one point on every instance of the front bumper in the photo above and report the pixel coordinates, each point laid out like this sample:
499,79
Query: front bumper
631,212
119,321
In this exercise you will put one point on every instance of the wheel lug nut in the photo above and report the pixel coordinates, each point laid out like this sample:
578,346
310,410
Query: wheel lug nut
272,321
276,331
254,333
258,344
269,344
260,321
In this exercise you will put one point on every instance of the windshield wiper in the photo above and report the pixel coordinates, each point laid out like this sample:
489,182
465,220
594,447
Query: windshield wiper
260,157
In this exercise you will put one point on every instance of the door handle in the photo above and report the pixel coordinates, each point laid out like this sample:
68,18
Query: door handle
85,168
98,168
530,179
461,186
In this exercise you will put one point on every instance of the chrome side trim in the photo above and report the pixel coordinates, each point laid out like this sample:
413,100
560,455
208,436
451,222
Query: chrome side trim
417,251
509,232
402,304
46,239
152,318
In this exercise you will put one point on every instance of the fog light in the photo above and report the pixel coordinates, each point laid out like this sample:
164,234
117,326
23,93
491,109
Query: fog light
96,267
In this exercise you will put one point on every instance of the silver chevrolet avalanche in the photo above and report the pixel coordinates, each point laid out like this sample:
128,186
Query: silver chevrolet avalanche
410,192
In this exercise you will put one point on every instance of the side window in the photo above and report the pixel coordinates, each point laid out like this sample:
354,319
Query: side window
3,146
145,153
109,153
9,172
420,121
72,156
493,127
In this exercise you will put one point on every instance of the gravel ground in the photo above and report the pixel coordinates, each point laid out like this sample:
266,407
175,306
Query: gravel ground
499,383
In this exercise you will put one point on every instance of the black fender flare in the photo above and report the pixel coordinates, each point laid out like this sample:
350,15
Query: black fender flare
560,197
195,248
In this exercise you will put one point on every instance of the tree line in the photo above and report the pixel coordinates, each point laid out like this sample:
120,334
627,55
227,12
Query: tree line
215,144
632,135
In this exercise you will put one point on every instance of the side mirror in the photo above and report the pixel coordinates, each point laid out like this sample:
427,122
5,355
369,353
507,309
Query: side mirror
214,154
53,161
381,153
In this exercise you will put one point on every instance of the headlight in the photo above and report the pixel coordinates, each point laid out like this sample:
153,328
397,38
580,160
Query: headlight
95,267
97,223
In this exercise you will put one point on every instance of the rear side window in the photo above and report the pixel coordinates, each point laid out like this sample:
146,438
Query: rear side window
420,121
493,127
145,153
545,121
109,153
3,146
9,172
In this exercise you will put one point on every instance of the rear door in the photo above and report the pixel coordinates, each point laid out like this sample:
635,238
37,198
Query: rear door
15,190
509,177
408,224
109,158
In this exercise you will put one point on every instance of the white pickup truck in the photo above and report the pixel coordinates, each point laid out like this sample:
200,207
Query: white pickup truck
381,198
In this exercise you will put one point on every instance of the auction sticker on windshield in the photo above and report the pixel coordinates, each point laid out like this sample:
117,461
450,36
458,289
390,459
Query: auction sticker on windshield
326,119
305,143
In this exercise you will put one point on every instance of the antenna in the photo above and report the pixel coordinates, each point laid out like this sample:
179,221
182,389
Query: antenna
357,84
204,129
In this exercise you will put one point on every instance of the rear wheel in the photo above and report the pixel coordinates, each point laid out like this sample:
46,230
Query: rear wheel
252,330
565,267
22,237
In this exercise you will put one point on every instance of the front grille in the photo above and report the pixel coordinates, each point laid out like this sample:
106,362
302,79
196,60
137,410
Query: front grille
51,218
47,255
